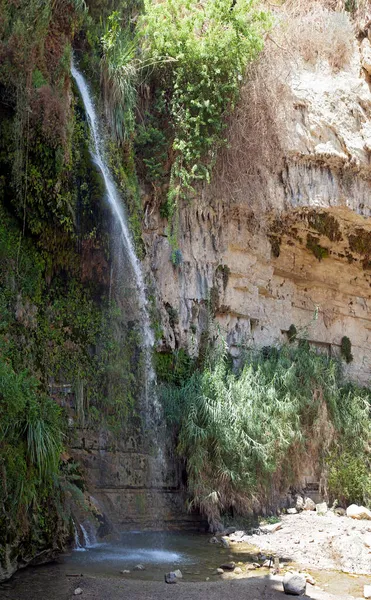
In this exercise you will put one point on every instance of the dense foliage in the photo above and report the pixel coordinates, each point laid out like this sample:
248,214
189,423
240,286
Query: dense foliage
247,434
191,57
200,52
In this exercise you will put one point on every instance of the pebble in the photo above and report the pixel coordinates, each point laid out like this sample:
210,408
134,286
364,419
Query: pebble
125,571
139,567
218,571
78,591
178,573
238,570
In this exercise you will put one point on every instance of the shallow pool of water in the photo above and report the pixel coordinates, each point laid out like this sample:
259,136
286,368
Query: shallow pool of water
158,553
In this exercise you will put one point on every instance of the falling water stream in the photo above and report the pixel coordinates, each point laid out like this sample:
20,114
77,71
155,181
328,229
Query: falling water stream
97,150
150,407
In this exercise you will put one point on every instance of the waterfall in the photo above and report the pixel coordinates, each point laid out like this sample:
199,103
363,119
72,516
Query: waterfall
97,150
86,538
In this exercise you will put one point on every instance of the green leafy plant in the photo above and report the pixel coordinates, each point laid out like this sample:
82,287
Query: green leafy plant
346,349
241,431
199,52
349,478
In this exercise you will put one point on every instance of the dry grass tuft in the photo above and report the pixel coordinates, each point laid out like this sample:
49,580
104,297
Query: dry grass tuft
257,131
321,34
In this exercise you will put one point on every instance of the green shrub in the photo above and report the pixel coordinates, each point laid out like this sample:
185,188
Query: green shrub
199,53
346,349
349,479
237,430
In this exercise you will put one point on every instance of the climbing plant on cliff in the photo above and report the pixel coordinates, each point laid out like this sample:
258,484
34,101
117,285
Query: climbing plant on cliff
245,434
199,52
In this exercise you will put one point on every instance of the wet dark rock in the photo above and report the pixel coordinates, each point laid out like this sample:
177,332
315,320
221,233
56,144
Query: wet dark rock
171,577
230,566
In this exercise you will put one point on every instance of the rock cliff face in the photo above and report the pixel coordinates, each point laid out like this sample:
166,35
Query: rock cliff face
289,243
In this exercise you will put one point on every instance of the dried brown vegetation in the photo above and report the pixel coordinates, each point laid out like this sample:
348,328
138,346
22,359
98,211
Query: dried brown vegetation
258,131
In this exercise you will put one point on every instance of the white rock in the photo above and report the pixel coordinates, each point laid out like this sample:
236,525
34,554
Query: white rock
178,574
225,542
358,512
294,584
367,591
292,511
272,528
125,571
78,591
366,55
309,504
139,567
299,503
238,570
321,509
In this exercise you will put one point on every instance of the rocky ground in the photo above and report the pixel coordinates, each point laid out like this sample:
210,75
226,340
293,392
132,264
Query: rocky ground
318,542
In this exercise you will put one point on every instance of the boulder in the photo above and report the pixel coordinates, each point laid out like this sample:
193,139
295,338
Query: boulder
367,591
238,570
309,504
178,573
366,55
171,577
299,505
292,511
229,530
228,566
358,512
294,584
225,542
321,509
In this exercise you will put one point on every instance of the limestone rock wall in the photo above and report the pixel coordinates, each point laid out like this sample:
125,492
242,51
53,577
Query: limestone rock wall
298,250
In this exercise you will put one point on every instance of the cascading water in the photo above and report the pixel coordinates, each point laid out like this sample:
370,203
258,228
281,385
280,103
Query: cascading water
152,414
97,151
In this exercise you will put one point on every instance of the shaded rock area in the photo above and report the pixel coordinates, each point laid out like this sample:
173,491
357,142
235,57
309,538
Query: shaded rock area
130,486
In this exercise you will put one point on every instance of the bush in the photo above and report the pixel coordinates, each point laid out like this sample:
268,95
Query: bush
349,478
244,433
199,53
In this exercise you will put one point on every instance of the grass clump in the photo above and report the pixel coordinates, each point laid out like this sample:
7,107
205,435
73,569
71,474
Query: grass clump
245,434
